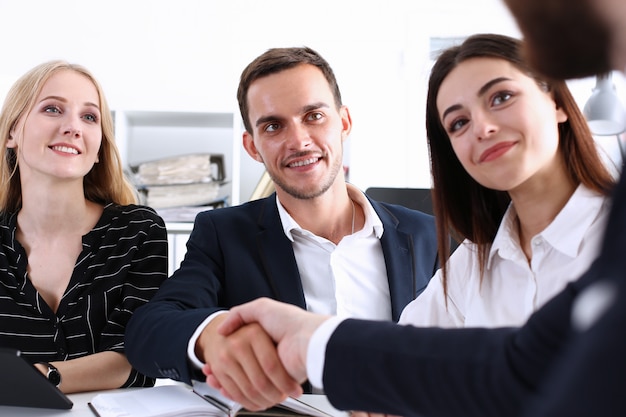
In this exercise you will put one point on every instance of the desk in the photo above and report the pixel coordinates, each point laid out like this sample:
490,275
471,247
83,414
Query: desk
81,409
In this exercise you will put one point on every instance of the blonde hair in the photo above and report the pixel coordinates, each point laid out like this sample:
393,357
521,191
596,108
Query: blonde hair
105,183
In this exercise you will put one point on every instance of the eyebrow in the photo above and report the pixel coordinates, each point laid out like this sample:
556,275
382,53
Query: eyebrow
489,84
481,92
303,110
87,103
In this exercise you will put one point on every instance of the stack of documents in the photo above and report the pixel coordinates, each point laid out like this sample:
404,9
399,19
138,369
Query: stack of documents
186,169
187,180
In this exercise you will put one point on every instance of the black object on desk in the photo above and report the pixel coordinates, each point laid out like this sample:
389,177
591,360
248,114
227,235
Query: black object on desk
24,386
413,198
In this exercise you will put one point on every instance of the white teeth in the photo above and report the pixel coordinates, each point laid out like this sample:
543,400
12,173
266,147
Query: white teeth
303,163
65,149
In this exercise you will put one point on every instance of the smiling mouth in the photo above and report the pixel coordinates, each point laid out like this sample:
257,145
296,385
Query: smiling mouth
495,151
65,149
303,162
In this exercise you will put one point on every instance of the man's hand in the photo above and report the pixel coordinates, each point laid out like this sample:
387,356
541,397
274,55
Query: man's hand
244,365
290,327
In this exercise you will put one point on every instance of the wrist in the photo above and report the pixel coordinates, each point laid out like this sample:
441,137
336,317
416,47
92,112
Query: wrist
51,372
208,335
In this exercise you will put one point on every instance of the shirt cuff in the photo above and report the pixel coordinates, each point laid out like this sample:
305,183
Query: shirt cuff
191,347
316,351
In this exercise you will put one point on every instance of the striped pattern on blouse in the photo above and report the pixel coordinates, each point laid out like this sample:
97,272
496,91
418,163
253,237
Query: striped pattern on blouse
121,266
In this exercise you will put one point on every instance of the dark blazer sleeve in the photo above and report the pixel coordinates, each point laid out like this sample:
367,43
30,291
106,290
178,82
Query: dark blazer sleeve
240,243
403,370
544,368
589,380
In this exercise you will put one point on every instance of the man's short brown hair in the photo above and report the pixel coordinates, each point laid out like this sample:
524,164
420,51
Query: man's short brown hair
276,60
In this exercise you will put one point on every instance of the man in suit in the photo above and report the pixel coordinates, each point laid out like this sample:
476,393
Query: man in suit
318,242
567,360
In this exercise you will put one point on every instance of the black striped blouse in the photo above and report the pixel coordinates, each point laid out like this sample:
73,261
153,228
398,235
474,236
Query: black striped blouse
123,263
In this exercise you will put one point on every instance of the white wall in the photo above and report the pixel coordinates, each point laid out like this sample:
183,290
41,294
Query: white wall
186,55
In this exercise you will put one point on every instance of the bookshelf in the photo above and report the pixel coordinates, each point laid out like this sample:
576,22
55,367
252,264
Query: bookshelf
143,136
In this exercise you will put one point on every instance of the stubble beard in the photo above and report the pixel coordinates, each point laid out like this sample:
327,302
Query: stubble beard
307,194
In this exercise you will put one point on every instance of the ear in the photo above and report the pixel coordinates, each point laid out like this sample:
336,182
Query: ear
11,142
561,116
250,147
346,122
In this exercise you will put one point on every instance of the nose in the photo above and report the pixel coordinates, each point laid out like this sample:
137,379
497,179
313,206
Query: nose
298,137
483,125
71,126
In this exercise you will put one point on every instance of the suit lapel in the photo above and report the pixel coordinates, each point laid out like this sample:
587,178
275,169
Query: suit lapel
399,260
276,252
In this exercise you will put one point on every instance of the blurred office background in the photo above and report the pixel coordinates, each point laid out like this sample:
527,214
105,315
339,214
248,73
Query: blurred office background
158,59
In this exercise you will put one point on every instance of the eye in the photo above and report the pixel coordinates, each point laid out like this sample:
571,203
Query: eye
91,117
456,125
271,127
313,116
51,109
501,97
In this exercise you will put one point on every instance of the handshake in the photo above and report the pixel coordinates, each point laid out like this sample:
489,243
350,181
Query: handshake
256,354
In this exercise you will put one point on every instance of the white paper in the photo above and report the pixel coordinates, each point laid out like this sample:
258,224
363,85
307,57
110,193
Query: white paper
162,401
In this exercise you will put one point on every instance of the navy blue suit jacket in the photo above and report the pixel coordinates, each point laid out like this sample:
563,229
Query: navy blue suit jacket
548,367
237,254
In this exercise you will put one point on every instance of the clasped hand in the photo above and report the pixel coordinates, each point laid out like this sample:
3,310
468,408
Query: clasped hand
256,353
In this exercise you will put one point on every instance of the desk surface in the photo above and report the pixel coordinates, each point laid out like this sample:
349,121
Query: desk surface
81,409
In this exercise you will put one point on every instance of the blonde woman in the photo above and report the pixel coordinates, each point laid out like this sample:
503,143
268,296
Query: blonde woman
78,256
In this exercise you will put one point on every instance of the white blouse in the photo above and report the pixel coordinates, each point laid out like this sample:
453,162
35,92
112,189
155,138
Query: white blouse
512,287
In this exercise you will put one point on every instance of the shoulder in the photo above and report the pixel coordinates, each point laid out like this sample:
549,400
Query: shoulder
5,219
249,211
8,223
7,227
133,213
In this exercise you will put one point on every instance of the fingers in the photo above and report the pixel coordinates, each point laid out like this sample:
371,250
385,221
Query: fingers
273,371
289,326
210,378
233,322
245,365
238,371
260,310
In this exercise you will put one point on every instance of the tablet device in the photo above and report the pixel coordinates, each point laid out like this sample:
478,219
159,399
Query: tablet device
24,386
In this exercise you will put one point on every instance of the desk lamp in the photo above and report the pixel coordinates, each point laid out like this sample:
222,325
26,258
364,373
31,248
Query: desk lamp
605,112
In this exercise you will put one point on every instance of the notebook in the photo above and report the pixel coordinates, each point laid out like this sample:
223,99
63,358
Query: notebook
181,401
24,386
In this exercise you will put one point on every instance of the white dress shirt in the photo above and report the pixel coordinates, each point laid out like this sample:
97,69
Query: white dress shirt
347,280
512,287
316,351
